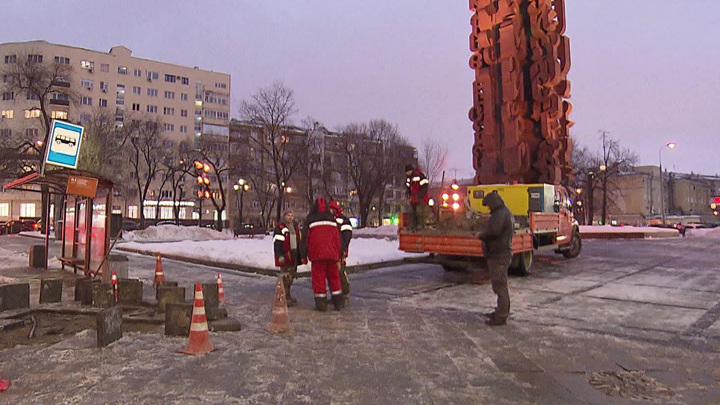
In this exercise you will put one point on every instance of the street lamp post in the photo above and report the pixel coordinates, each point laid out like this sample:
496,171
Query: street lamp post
242,186
671,146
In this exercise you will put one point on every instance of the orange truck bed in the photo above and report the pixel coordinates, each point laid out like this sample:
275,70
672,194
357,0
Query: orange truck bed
464,244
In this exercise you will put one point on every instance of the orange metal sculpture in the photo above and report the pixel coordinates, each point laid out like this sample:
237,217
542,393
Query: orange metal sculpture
520,116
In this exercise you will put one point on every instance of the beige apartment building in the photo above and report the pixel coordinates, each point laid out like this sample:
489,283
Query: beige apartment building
190,102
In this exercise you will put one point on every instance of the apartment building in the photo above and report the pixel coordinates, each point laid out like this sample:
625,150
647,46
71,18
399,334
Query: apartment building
189,101
638,195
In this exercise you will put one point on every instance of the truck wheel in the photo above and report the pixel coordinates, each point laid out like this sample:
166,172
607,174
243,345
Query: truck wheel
447,267
521,263
575,246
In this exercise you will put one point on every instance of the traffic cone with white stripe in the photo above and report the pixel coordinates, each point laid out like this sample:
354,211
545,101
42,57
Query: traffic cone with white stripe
221,291
159,273
199,343
114,283
280,321
4,384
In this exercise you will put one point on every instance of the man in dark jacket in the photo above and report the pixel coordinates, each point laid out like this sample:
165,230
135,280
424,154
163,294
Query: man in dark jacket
346,229
289,248
497,248
417,192
323,251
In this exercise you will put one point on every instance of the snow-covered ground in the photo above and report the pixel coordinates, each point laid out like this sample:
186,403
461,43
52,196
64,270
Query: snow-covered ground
204,243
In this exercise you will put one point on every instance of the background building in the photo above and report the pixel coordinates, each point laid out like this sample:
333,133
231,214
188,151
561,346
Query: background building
189,101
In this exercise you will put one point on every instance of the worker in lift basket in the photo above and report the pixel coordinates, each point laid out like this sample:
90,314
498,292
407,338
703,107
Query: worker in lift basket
497,246
417,191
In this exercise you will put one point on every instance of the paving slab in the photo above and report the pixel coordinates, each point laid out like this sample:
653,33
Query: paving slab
655,295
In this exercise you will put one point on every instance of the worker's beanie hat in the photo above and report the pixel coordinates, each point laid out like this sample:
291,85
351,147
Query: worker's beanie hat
409,168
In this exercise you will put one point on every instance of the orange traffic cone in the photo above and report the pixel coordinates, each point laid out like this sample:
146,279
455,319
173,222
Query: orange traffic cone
159,273
199,343
114,283
221,291
280,321
4,384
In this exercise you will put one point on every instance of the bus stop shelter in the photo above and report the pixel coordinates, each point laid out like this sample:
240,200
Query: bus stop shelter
87,207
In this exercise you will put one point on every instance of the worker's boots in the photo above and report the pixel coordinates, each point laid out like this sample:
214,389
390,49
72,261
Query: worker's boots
337,300
321,304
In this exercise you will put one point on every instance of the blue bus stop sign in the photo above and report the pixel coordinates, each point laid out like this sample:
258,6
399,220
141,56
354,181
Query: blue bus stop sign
63,146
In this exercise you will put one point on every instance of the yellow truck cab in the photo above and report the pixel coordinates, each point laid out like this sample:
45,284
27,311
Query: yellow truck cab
543,221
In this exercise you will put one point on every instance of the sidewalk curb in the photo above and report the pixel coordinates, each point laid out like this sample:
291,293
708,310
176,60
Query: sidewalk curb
257,270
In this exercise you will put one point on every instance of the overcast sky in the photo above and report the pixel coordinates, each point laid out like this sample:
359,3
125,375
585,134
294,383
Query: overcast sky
646,71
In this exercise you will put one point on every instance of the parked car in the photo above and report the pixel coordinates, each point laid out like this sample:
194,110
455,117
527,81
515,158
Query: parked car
165,222
129,225
20,225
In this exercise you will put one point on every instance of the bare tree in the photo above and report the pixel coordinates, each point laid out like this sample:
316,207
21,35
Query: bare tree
41,82
143,151
214,152
370,149
597,173
433,157
271,109
102,143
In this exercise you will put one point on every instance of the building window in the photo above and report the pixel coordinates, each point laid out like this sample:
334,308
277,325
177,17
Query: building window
169,94
9,95
152,108
7,78
5,132
62,60
152,75
102,102
32,132
32,96
86,83
168,111
120,95
7,114
86,100
170,78
104,86
137,90
185,81
149,212
4,209
136,107
166,212
132,211
10,58
152,92
86,64
104,67
34,59
27,210
34,113
169,127
137,72
183,129
122,70
85,117
183,96
183,113
59,115
220,86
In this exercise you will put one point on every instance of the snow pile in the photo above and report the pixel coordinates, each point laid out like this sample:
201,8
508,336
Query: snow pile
704,233
385,230
258,252
622,229
174,233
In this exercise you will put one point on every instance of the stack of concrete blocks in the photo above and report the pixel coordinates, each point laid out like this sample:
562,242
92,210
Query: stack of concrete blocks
520,116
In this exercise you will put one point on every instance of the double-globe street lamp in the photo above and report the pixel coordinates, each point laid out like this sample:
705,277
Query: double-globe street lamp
242,186
671,146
